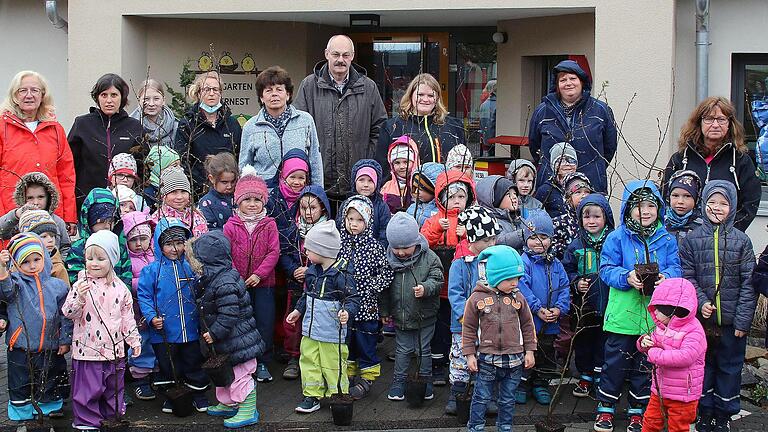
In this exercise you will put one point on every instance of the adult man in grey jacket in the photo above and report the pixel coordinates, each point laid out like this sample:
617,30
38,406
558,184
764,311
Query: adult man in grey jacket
348,112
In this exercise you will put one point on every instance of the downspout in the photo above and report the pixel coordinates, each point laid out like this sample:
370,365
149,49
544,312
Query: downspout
702,49
51,10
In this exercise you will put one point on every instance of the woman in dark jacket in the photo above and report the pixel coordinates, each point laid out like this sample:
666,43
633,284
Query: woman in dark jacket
105,131
569,114
712,145
207,128
425,119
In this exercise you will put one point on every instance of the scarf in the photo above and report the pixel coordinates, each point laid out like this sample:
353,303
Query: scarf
162,131
596,241
289,194
568,110
305,226
280,122
675,221
250,221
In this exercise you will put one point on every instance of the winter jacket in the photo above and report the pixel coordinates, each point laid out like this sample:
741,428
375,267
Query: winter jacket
216,208
511,223
423,211
45,150
263,148
167,289
582,260
591,130
224,302
37,298
192,219
623,249
162,133
254,253
95,138
347,122
326,292
545,284
381,213
9,223
399,302
139,260
396,195
728,164
679,347
197,138
432,231
462,278
76,258
58,269
721,253
552,198
372,272
434,141
497,323
103,319
566,231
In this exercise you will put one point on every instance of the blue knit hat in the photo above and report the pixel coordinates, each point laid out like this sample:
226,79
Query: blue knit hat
538,222
501,263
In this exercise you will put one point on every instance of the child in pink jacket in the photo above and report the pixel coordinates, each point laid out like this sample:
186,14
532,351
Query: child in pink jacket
255,251
676,348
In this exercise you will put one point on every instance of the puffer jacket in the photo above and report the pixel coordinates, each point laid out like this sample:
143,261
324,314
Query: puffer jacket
76,258
399,302
216,208
511,223
712,253
347,122
263,148
45,150
224,302
398,197
679,347
462,278
94,139
591,130
381,213
254,253
432,231
424,211
196,139
545,284
167,289
39,299
326,292
623,249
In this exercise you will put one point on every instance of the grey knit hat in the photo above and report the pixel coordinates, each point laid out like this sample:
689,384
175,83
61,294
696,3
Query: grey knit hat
402,231
324,239
559,150
173,178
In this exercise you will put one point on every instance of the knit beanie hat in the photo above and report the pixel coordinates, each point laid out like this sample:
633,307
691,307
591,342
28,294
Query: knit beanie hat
173,178
106,240
250,185
560,150
451,190
458,155
402,151
324,239
159,158
538,222
23,245
403,231
363,206
122,163
173,233
688,182
38,222
124,194
422,182
101,212
479,222
575,181
500,189
515,166
368,171
290,166
501,263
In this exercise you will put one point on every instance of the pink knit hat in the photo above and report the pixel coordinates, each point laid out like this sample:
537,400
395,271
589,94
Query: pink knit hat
368,171
250,185
292,165
122,163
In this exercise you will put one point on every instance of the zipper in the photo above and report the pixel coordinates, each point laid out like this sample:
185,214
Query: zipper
500,329
42,311
181,303
717,275
402,299
431,140
109,143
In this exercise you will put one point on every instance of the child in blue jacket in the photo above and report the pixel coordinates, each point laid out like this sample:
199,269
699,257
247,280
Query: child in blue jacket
545,286
626,315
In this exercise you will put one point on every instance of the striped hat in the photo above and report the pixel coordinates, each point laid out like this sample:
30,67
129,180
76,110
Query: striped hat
173,178
38,222
23,245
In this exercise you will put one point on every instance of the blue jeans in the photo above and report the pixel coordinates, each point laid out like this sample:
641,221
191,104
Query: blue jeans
487,376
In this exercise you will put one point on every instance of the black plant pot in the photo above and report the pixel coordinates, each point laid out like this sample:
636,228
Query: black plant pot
115,425
219,370
181,401
415,390
463,404
549,426
342,409
648,275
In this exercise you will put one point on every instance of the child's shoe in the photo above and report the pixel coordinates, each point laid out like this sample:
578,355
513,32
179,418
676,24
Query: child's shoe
722,424
200,402
308,405
583,388
262,374
429,394
635,423
450,406
397,391
704,423
291,371
521,396
167,407
361,389
246,413
542,396
144,391
604,420
222,410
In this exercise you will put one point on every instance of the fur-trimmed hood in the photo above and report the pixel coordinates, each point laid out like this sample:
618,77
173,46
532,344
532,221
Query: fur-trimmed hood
33,179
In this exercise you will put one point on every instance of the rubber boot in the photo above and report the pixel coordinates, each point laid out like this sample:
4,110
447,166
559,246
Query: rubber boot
247,414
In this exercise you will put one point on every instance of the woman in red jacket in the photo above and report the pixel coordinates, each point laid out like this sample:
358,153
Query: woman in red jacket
32,140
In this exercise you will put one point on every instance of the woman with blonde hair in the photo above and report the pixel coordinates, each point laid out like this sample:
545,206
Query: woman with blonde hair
712,145
425,119
208,128
157,118
32,140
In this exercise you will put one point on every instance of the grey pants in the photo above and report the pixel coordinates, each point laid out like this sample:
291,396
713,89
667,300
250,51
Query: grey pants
408,342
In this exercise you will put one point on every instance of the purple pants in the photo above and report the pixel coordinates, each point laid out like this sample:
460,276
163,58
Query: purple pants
94,385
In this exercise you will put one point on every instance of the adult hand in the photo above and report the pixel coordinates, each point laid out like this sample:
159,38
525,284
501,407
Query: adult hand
208,338
252,281
739,333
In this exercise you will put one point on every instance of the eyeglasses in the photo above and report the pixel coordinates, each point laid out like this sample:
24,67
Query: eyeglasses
34,90
346,55
722,121
211,90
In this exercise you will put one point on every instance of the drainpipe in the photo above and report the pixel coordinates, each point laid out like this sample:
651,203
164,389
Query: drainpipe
702,49
56,20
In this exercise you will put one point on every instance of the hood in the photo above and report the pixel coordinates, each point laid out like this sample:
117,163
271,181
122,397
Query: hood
321,71
367,163
290,154
516,165
368,231
447,177
675,292
163,225
574,68
133,219
599,200
213,250
317,191
159,158
431,170
414,149
483,287
634,185
97,195
397,264
729,190
34,179
486,186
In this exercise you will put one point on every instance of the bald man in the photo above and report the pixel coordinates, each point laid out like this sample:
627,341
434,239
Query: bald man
348,112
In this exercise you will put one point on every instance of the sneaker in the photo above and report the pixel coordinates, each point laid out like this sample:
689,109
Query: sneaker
308,405
388,329
391,355
200,402
262,373
360,389
429,394
582,389
439,378
144,391
397,391
604,422
521,397
450,406
704,423
722,424
291,371
167,407
635,423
